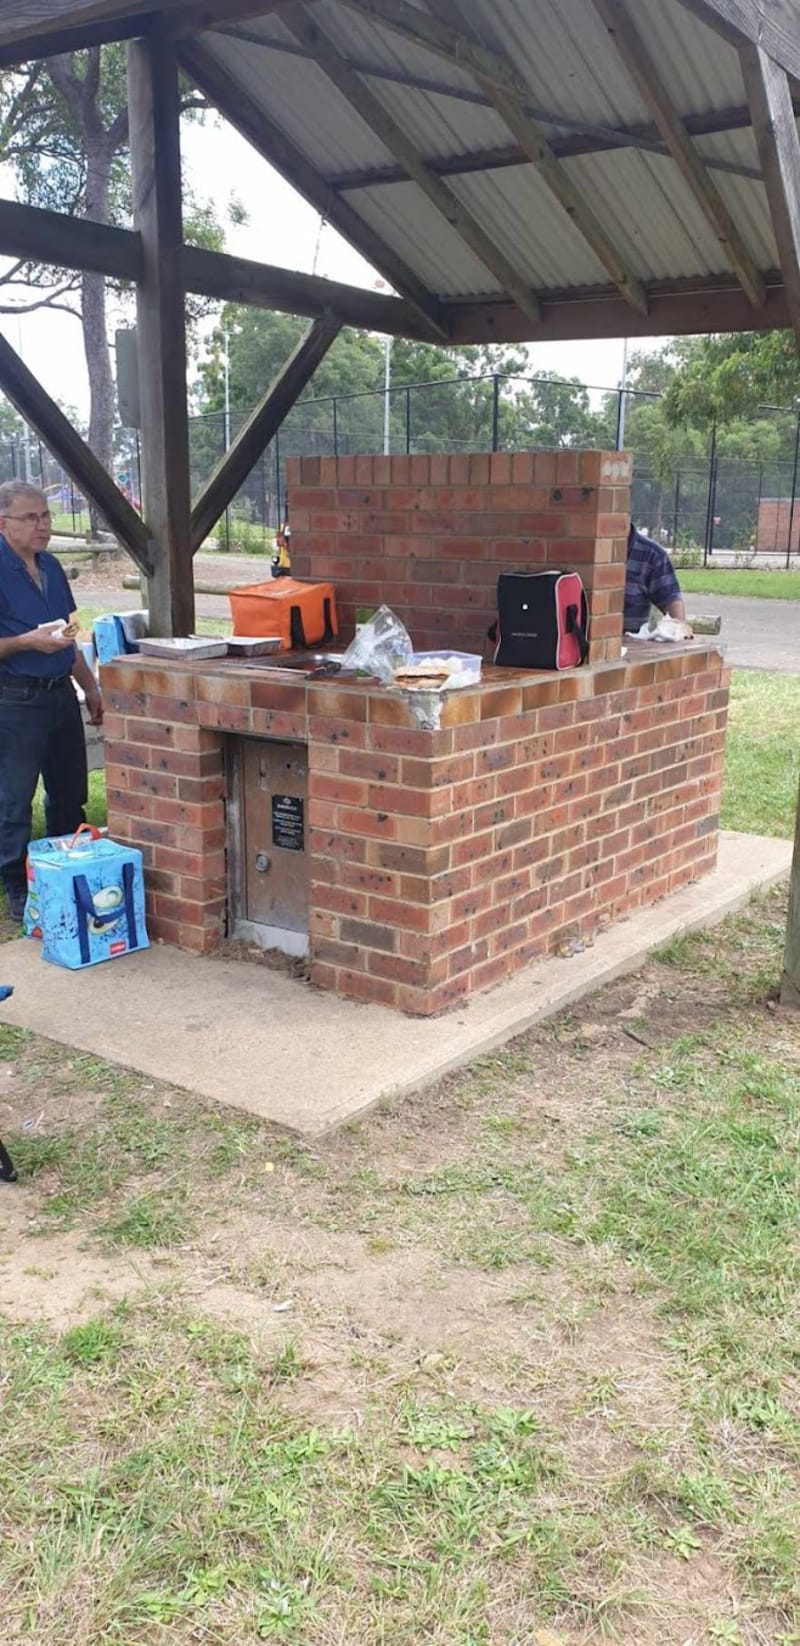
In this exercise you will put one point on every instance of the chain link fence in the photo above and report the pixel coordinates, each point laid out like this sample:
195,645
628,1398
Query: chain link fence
724,493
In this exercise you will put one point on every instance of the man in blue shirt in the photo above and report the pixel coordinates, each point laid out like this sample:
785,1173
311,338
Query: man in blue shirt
649,581
41,729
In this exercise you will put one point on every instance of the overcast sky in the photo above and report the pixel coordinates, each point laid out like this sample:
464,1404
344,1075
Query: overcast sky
281,229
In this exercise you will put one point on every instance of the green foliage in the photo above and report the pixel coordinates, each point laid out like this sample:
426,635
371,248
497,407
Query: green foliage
726,376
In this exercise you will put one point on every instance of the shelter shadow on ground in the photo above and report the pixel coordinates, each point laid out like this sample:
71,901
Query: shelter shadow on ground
273,1047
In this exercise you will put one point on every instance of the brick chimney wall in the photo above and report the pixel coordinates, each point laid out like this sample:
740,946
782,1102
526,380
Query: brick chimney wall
429,536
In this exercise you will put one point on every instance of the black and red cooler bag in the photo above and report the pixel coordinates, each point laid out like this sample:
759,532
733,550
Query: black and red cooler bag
542,620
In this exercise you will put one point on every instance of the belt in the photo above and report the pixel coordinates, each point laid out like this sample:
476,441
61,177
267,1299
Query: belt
37,682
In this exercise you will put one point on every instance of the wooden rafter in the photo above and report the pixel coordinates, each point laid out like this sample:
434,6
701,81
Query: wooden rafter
267,136
264,286
773,25
457,46
510,104
262,424
35,405
575,137
376,116
652,89
775,130
42,28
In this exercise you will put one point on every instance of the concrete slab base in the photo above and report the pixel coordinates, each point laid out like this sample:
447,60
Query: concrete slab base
274,1047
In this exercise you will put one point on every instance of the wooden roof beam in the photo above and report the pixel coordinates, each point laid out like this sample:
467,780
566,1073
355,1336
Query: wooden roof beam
772,25
510,155
778,143
41,412
510,103
261,426
51,237
358,94
651,88
45,28
458,46
677,308
264,286
68,242
268,138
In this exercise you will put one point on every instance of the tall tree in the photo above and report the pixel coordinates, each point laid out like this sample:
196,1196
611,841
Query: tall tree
64,131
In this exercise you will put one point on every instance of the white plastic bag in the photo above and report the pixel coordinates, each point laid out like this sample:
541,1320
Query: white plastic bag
667,628
380,646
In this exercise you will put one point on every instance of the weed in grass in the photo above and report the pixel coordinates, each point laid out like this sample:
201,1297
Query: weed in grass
11,1042
147,1221
95,1344
286,1364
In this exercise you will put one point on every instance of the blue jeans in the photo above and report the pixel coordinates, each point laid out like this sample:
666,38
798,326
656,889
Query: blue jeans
41,734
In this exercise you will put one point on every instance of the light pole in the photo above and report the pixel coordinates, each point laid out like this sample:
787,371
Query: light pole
380,285
26,433
623,399
226,368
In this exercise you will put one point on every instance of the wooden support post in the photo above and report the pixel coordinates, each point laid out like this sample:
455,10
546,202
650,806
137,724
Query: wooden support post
790,982
42,413
260,427
161,324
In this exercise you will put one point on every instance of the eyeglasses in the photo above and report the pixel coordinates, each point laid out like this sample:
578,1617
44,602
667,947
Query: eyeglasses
44,519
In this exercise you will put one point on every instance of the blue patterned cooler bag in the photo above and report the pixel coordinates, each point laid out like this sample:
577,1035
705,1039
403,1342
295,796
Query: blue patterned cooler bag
85,898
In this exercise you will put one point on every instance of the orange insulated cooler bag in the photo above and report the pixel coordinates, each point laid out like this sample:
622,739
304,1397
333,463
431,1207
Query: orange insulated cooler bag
302,614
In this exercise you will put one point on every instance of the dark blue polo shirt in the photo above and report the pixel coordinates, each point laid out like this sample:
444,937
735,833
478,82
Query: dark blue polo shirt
24,606
649,580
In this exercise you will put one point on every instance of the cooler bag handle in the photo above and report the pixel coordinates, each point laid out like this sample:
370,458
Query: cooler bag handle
578,629
84,828
84,904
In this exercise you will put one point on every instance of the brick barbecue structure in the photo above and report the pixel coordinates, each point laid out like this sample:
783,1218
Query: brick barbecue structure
448,844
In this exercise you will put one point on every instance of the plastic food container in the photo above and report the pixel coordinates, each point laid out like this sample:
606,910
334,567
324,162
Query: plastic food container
464,668
192,648
248,645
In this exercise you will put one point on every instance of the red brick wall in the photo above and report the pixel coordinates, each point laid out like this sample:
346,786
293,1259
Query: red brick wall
775,516
543,809
428,536
440,861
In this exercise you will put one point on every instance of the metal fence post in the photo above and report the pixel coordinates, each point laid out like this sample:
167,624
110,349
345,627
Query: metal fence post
794,493
336,425
495,413
408,422
708,546
277,479
676,509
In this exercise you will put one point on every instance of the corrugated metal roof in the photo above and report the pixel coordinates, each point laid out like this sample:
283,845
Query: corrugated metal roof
576,75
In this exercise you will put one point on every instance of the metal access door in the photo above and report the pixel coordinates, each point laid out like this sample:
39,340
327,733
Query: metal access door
269,890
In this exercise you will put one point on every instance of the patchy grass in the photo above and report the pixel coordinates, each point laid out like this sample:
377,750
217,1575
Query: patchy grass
762,755
515,1362
754,583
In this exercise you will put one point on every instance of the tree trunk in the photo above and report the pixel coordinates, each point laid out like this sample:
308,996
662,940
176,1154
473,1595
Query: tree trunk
93,312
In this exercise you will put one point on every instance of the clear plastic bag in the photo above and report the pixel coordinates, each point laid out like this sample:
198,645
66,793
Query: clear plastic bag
380,646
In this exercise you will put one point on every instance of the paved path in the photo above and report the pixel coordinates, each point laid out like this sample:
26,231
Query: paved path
757,634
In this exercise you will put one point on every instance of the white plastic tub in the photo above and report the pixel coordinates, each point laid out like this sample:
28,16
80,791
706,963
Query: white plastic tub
464,667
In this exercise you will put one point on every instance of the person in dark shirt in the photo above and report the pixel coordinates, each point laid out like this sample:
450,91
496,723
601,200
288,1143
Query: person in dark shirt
41,729
649,581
